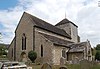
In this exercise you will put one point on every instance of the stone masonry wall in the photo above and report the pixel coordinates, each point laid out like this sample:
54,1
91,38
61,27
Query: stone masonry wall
40,40
71,30
73,56
10,52
25,26
66,27
57,52
74,33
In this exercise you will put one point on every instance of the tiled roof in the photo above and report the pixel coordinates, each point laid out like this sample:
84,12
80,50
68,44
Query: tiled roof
44,25
81,44
79,47
64,21
77,50
57,41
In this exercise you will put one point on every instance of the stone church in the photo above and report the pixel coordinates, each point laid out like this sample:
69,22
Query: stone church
50,42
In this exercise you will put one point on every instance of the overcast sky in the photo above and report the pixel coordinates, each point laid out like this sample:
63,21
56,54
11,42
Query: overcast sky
84,13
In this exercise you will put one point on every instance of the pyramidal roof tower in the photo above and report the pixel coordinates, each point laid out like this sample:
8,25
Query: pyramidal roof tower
65,21
70,28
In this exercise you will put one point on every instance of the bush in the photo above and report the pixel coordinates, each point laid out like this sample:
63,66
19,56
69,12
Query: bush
98,47
32,56
97,56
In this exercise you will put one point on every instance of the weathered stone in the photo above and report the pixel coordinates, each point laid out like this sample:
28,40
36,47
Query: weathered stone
75,61
46,40
62,61
46,66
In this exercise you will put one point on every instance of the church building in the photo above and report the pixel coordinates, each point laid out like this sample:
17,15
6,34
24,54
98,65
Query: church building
50,42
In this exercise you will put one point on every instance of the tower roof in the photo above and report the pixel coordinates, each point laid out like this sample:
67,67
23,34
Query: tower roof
65,21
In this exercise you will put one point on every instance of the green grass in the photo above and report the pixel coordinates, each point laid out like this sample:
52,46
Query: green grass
73,66
96,66
56,67
36,67
69,66
39,66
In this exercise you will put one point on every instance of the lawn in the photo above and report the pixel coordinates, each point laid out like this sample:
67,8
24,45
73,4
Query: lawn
39,66
70,66
96,66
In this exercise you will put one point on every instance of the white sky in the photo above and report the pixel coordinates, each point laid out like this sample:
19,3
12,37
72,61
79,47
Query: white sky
84,13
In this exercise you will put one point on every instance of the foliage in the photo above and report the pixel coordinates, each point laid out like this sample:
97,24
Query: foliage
98,47
32,55
3,49
97,56
93,51
69,66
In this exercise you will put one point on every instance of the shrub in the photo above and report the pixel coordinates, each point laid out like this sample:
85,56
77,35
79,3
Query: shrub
97,56
98,47
32,56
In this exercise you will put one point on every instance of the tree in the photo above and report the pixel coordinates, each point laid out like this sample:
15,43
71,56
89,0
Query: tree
93,51
97,56
3,49
98,47
32,56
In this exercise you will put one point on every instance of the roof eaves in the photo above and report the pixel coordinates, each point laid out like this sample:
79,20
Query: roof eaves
11,42
53,32
75,52
20,21
61,45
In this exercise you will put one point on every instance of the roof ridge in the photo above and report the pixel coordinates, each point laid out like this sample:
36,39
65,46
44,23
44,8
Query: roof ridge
64,21
47,26
38,18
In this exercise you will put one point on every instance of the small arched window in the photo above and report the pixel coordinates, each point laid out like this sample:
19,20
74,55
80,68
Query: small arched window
23,42
41,51
12,52
64,53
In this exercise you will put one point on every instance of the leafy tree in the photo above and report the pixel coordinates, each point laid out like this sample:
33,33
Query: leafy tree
97,56
93,51
32,56
98,47
3,49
